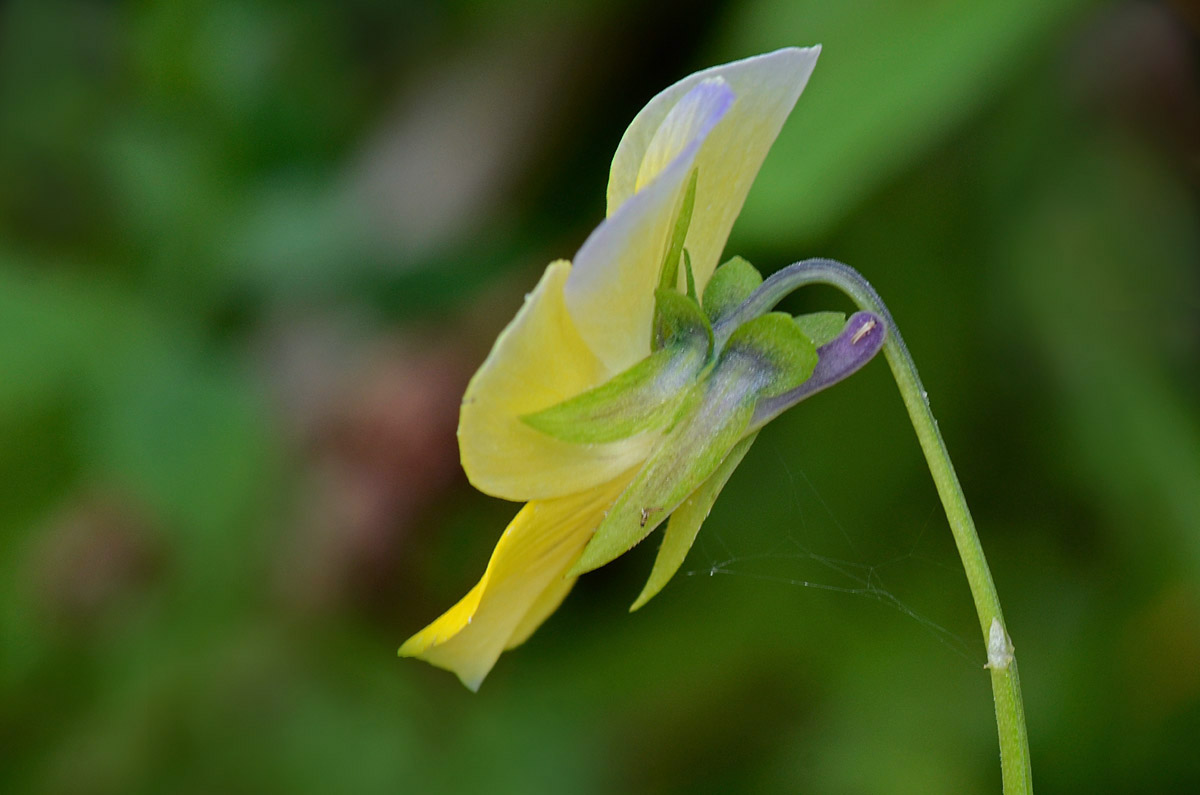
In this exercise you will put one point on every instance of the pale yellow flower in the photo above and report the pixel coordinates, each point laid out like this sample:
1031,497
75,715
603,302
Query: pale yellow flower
589,321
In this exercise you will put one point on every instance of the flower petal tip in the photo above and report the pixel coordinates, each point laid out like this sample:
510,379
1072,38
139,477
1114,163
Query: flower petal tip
418,645
811,51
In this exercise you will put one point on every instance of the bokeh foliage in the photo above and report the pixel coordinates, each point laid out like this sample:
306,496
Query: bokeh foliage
250,252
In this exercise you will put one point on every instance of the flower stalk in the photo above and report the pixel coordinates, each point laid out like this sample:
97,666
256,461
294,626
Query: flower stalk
1002,665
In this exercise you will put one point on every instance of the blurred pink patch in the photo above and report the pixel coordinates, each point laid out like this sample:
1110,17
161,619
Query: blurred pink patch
97,554
374,421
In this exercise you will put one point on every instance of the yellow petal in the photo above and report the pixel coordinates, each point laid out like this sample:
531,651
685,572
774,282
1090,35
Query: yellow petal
692,118
766,87
523,584
610,293
540,610
540,360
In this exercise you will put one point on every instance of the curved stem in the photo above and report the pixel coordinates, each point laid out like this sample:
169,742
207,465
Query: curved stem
1006,686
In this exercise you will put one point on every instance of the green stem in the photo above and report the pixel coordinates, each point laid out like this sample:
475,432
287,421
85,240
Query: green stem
1006,686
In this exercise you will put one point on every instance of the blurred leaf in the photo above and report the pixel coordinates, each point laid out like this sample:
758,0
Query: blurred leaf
893,79
1113,243
158,414
48,329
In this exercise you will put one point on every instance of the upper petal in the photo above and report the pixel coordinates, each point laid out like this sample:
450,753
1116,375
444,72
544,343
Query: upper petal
692,119
766,88
610,293
538,361
523,584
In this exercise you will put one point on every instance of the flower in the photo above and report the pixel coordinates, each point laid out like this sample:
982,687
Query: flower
612,401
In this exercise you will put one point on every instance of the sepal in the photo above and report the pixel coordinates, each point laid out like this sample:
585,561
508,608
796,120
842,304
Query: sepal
730,285
678,320
690,278
669,273
644,398
773,351
715,416
821,327
765,357
859,341
685,523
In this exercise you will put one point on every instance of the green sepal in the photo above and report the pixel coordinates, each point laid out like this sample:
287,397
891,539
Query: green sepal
730,285
645,397
669,272
764,357
774,351
685,523
713,419
821,327
678,319
690,281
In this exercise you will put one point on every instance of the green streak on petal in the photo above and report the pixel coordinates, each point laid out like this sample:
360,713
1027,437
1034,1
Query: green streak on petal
685,523
821,327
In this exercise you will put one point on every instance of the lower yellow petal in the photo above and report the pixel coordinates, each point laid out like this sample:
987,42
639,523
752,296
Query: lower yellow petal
540,610
539,361
523,584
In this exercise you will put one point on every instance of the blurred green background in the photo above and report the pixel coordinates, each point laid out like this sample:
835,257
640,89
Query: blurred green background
250,252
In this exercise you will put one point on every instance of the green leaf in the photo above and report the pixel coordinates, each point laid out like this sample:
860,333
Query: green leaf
645,397
878,101
669,273
730,285
821,327
685,523
783,356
